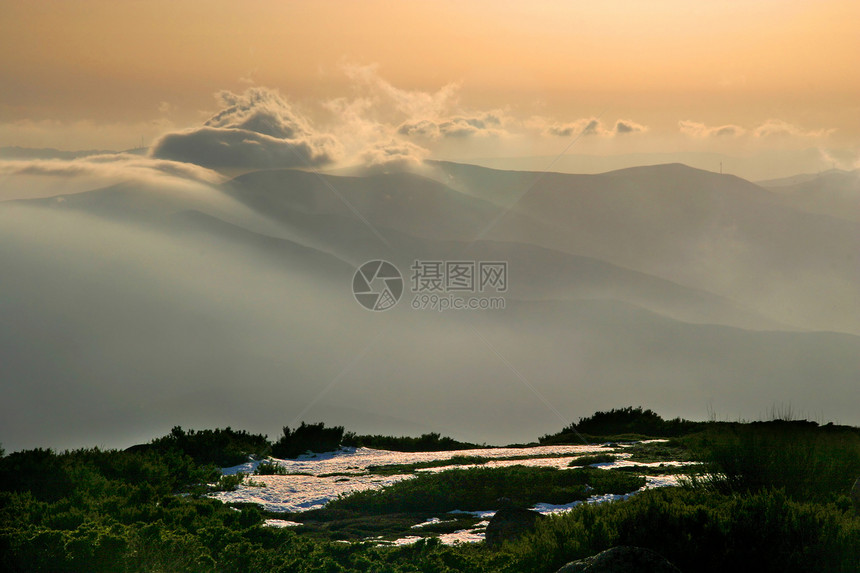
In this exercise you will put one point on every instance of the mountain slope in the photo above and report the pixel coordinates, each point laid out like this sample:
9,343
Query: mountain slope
834,193
703,230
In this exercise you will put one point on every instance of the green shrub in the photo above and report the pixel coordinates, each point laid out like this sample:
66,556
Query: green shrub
39,471
700,531
307,438
223,448
269,469
482,488
806,461
229,482
458,460
432,442
591,459
622,421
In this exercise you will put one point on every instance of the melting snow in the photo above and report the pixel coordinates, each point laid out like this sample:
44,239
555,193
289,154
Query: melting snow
316,479
280,523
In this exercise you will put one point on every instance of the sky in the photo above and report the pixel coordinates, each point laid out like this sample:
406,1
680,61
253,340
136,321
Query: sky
670,76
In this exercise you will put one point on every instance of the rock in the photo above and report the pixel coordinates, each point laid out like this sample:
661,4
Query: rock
510,523
855,495
622,559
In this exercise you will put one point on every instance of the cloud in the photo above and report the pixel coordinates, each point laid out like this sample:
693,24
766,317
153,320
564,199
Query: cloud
488,124
116,166
623,126
394,155
772,128
700,130
227,147
841,159
32,178
412,103
260,110
579,127
425,128
428,115
780,128
256,129
593,126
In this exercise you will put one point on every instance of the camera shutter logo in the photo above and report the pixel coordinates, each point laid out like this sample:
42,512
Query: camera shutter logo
377,285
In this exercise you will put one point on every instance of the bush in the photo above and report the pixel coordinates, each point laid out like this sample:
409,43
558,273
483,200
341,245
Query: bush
594,459
482,488
229,482
700,531
223,448
806,461
39,471
271,469
432,442
307,438
620,422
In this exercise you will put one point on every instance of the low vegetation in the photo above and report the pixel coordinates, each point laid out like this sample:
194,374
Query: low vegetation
396,469
484,488
769,496
272,469
222,448
702,531
432,442
592,459
307,438
673,450
622,424
806,461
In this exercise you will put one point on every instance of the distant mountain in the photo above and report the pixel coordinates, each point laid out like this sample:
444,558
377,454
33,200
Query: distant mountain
402,201
205,305
318,221
704,230
835,193
753,167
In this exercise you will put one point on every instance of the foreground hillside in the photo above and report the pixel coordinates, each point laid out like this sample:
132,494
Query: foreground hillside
770,496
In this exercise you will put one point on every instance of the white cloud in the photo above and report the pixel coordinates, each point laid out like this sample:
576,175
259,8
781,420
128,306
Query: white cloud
700,130
623,126
780,128
770,129
487,124
118,166
412,103
394,155
592,126
255,129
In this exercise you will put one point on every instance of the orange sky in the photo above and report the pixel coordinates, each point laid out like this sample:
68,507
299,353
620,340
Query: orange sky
89,73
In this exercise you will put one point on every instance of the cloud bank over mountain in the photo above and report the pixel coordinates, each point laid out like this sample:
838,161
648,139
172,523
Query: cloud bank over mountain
255,130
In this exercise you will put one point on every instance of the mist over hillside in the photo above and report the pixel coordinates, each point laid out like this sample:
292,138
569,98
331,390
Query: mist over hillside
833,193
183,298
